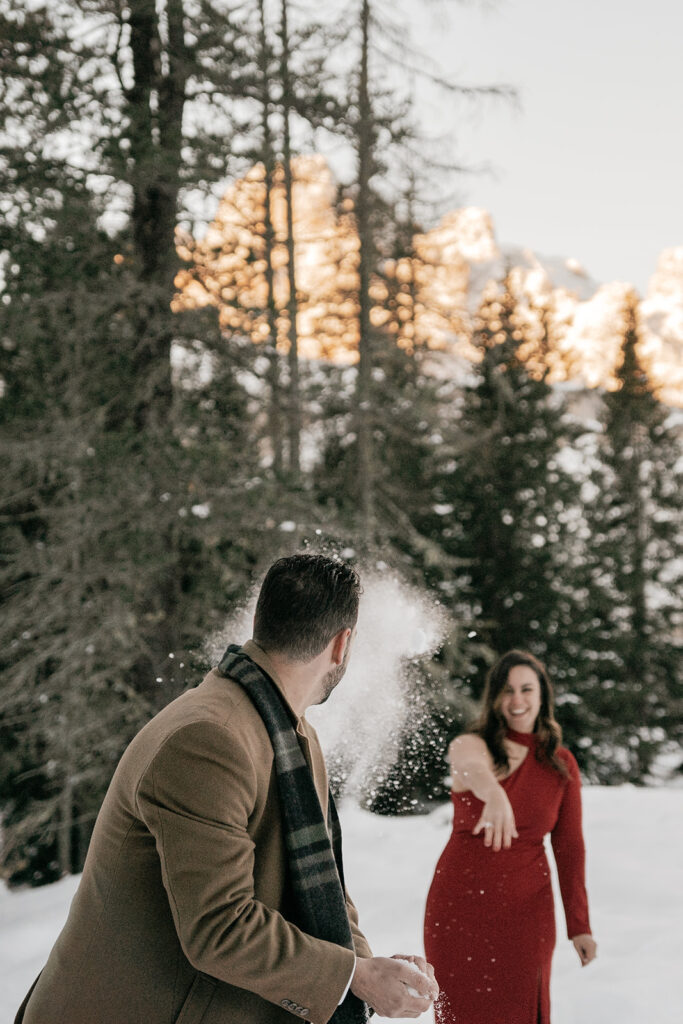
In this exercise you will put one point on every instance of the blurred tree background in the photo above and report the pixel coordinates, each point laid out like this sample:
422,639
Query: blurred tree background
180,404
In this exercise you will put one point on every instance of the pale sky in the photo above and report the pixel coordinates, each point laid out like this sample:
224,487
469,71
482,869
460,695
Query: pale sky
591,165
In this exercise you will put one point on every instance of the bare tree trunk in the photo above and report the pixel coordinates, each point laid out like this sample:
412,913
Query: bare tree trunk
154,108
365,145
410,251
639,615
293,397
269,244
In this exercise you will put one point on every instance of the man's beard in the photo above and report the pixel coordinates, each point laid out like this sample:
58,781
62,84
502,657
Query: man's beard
334,677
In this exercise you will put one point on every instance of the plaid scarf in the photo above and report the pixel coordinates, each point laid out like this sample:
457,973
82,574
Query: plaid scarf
315,862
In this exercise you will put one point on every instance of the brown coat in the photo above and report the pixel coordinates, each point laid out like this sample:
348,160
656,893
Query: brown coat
181,913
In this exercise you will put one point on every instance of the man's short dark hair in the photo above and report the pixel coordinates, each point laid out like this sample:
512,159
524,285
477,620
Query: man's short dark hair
305,600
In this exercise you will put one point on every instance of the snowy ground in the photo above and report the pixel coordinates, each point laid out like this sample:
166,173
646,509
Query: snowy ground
635,865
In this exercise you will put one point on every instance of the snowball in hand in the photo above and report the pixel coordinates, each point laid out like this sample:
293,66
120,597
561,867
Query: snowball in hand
413,966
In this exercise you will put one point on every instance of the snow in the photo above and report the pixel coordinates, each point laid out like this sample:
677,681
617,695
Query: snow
413,967
635,881
360,725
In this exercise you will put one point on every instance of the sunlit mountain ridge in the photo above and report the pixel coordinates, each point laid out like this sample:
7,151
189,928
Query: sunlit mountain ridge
427,297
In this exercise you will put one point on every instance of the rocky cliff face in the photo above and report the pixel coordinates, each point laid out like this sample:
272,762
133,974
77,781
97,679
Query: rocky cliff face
662,310
456,261
587,316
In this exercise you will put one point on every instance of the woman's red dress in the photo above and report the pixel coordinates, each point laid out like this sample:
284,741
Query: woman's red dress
490,925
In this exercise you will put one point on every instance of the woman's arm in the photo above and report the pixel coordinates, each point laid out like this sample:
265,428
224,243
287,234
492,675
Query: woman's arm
570,857
472,769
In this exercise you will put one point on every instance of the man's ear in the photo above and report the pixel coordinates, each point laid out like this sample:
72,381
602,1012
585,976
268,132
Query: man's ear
339,643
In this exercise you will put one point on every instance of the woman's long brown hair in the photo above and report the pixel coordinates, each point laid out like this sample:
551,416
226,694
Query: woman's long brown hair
491,724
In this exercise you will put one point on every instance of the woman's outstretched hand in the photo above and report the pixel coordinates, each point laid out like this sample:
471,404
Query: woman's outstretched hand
586,947
497,821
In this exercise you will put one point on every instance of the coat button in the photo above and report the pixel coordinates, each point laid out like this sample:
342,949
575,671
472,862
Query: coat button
302,1011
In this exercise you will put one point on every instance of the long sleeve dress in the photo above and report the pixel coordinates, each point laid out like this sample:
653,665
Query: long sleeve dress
489,924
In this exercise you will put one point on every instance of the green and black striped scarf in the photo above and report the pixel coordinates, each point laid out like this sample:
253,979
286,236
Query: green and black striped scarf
313,848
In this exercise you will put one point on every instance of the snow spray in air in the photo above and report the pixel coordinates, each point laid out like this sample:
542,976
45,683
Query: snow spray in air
361,725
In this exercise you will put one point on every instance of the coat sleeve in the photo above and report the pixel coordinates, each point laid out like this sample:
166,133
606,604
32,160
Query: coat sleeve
195,798
570,855
360,943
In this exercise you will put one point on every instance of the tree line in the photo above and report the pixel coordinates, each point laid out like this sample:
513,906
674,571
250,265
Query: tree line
143,495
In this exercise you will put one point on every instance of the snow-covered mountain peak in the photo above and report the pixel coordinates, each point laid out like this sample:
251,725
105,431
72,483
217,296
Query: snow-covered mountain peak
662,316
542,273
455,262
667,280
467,232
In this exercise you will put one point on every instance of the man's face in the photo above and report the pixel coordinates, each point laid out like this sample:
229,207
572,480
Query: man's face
334,676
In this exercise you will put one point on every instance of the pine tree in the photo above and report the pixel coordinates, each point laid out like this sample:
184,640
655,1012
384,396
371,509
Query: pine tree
632,685
116,530
504,494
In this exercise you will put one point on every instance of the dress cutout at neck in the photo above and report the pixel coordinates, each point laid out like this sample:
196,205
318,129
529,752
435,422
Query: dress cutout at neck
525,739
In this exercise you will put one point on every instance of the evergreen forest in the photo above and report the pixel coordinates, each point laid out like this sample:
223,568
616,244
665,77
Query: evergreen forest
178,408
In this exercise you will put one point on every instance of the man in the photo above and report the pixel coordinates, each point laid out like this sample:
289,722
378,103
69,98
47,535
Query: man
213,887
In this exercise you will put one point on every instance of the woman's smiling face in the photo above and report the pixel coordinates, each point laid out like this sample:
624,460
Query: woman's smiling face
520,699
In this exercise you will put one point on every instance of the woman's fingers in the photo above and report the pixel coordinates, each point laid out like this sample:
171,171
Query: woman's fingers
479,826
510,834
486,826
499,829
586,947
493,834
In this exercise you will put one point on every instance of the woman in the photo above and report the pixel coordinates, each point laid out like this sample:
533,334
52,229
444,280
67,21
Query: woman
489,924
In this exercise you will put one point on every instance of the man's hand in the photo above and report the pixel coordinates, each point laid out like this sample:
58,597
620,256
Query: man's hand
383,983
419,964
586,947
